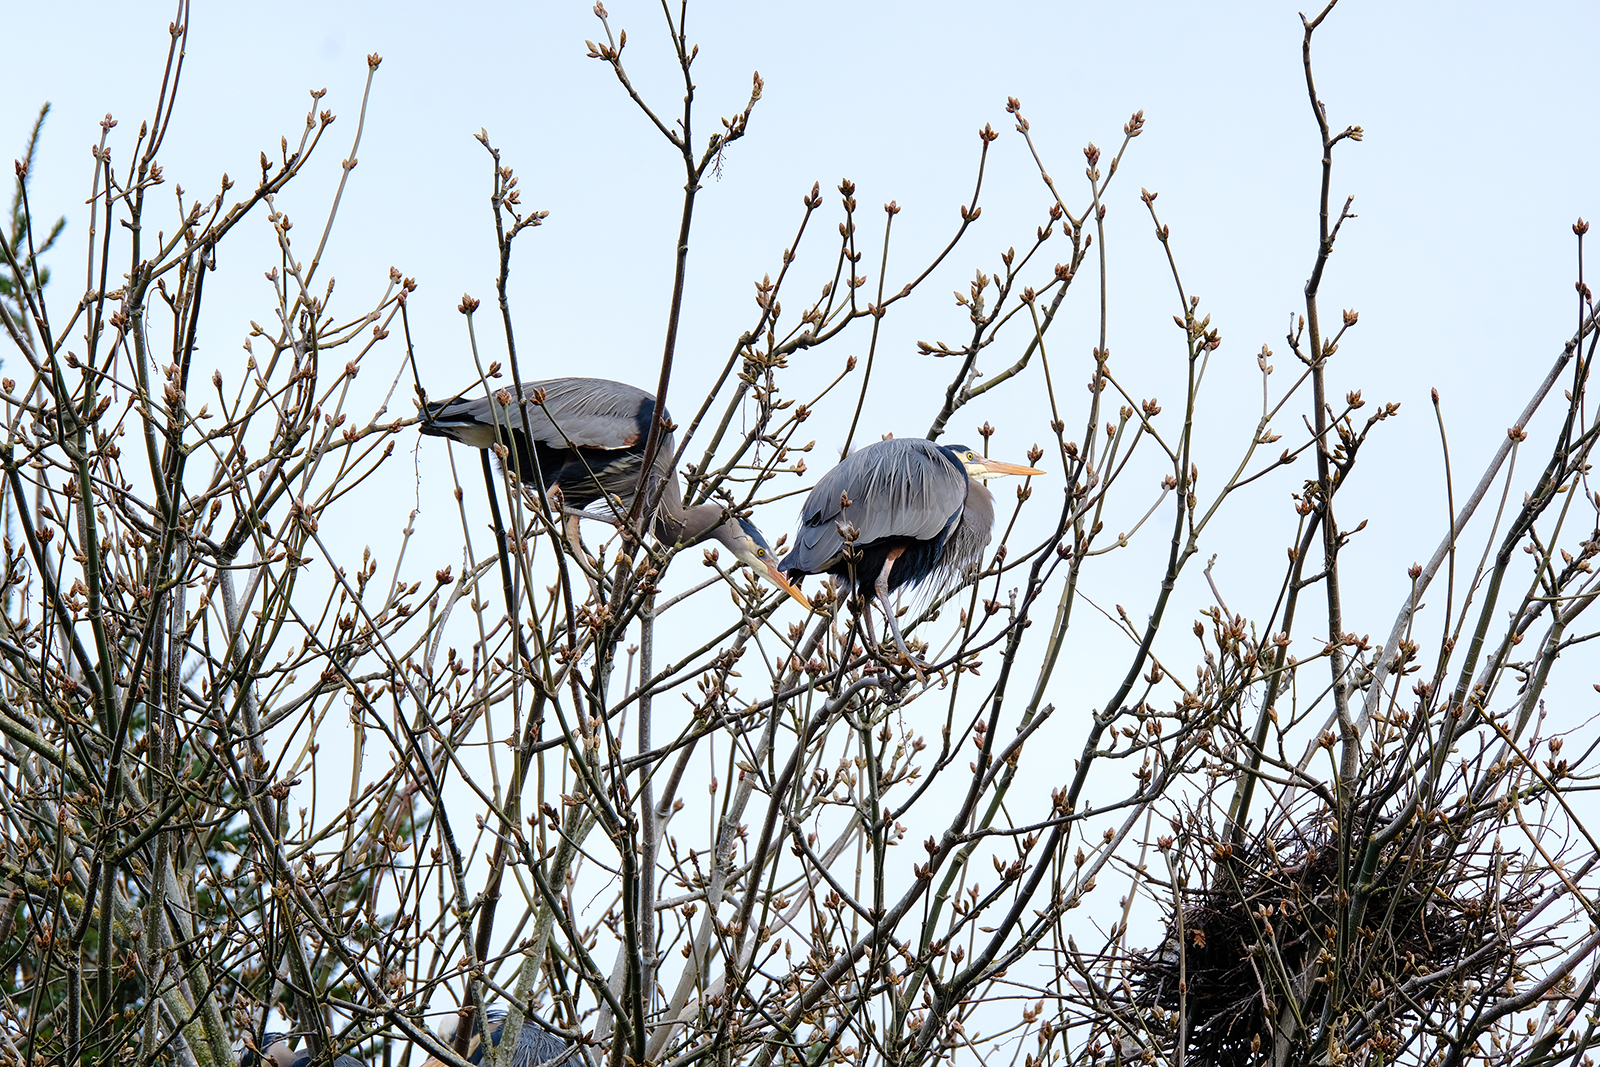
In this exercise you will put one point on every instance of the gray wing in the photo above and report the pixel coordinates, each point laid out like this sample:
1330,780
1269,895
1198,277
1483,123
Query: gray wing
588,412
903,487
537,1046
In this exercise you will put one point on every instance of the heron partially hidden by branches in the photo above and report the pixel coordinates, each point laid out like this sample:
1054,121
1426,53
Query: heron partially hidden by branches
584,443
536,1046
896,513
275,1051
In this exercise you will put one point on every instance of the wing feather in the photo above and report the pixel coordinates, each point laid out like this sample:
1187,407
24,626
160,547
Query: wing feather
903,487
586,412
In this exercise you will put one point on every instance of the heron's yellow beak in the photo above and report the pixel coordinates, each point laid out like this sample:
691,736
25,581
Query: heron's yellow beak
776,577
993,467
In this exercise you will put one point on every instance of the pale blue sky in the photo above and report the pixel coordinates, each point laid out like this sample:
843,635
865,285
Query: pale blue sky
1479,154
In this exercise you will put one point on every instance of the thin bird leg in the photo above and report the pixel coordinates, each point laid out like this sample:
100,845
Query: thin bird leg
882,589
560,511
587,563
566,520
576,538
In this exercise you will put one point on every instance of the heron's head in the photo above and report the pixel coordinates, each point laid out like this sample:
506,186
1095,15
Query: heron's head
751,549
981,467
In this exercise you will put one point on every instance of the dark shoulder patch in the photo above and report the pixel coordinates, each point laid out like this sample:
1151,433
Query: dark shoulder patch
642,419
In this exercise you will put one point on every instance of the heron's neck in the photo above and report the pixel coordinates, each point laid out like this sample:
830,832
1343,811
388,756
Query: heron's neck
980,505
676,524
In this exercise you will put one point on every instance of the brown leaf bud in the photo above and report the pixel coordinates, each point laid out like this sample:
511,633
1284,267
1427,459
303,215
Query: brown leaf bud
468,304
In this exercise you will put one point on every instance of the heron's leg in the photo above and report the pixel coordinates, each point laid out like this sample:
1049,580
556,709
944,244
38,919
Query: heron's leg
882,589
589,565
576,537
560,511
566,520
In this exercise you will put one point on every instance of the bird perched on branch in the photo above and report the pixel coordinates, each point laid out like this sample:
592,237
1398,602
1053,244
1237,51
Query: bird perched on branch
536,1046
912,511
584,443
274,1051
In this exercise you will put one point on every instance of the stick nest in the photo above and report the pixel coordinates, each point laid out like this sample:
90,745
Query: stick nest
1277,907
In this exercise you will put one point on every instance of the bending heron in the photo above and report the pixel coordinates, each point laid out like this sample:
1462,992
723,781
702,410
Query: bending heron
919,512
585,443
536,1046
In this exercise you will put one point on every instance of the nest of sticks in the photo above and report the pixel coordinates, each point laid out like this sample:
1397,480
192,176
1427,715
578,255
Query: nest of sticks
1258,934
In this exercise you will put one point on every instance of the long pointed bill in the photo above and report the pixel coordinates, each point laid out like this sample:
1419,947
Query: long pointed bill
994,466
775,576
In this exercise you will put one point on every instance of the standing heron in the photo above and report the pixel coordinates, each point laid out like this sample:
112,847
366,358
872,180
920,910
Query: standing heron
536,1046
276,1052
585,443
920,512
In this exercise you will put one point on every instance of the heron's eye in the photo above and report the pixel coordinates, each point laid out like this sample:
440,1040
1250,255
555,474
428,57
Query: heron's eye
761,553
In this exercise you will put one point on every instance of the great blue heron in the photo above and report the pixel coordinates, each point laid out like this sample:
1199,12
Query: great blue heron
920,512
585,443
536,1046
275,1050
